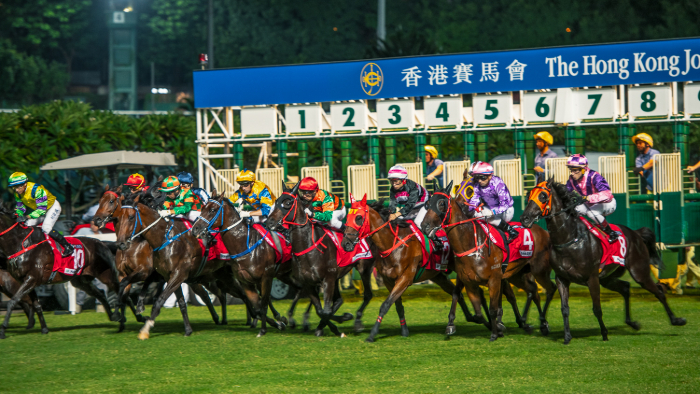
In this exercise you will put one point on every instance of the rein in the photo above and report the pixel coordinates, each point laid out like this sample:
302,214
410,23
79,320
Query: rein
448,219
139,222
23,250
363,232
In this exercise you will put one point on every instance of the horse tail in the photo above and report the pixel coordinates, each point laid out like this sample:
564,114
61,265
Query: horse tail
107,253
112,246
649,239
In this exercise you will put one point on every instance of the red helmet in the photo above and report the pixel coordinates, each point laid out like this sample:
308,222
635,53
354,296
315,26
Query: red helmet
308,183
136,180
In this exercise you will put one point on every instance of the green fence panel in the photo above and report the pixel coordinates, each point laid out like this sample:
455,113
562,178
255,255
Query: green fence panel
640,215
670,258
671,218
517,208
619,217
692,221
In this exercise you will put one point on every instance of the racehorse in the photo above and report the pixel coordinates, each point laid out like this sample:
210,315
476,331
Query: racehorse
31,261
9,286
136,263
477,266
576,254
314,262
400,258
252,259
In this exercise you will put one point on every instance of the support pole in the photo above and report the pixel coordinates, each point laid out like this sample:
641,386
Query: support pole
390,148
238,155
625,133
680,141
303,149
575,140
469,145
374,153
327,152
282,156
420,151
519,140
345,149
481,144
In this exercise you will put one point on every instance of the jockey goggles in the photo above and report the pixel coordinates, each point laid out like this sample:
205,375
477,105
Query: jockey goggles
245,183
480,177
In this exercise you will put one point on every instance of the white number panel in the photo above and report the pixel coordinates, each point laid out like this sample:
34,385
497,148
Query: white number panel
539,107
261,120
649,101
596,104
496,108
349,116
394,114
303,118
691,99
443,111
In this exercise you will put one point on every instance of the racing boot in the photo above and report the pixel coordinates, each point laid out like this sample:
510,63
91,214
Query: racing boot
612,234
509,230
58,237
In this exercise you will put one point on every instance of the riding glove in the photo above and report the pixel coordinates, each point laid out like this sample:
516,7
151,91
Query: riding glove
244,214
164,213
308,212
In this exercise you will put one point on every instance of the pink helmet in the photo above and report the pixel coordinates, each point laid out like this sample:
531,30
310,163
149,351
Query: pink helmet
578,160
398,172
482,167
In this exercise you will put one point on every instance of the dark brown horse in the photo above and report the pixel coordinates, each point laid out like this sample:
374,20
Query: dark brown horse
33,266
576,254
400,258
314,262
478,261
9,286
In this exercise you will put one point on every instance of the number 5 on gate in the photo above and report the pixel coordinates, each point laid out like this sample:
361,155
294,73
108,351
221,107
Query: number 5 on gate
495,109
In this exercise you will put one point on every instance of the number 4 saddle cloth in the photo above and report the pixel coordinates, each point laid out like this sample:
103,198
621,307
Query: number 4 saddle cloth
522,247
72,265
613,253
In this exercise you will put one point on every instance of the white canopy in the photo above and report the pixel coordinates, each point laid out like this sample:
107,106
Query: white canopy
120,159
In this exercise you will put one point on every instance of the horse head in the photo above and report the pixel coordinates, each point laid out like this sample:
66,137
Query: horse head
356,223
108,204
214,215
287,210
439,211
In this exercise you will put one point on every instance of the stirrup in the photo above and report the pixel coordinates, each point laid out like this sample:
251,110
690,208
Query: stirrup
67,251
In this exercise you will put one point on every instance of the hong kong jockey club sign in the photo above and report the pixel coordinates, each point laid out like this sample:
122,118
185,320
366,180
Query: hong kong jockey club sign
546,68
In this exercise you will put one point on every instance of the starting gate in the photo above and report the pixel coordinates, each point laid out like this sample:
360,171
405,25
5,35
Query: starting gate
272,177
453,171
556,168
318,173
362,180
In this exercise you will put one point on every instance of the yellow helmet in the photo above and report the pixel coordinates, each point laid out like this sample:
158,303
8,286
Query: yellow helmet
432,150
246,176
545,136
643,137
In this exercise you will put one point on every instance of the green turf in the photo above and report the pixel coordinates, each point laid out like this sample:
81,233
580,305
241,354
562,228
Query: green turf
84,353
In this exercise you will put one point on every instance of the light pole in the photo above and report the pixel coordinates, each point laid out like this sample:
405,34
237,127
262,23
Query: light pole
210,46
381,23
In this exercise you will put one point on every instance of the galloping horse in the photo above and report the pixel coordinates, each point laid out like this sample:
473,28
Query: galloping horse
177,254
475,266
136,263
9,286
31,261
401,257
253,260
576,254
314,261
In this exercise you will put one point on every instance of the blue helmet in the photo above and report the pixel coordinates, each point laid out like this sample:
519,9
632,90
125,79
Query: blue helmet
185,177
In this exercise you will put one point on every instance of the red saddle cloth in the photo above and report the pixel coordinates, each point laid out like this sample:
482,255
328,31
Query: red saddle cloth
72,265
432,260
521,247
343,258
217,250
613,253
286,253
109,227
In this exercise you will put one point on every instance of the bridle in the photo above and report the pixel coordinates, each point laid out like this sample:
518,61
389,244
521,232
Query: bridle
293,209
445,224
139,222
546,207
363,231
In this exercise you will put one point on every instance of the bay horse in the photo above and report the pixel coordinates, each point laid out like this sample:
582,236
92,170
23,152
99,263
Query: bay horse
136,263
478,262
9,286
576,254
400,258
314,261
31,260
177,255
253,260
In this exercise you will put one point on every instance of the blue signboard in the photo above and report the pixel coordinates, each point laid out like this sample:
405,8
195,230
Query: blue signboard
547,68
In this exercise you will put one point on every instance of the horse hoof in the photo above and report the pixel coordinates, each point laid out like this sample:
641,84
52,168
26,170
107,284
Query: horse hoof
528,328
318,333
188,333
283,320
2,336
678,321
451,330
634,325
44,330
30,326
567,340
116,316
140,309
404,332
281,326
224,322
358,326
305,327
143,336
493,338
369,340
347,316
261,333
544,329
121,328
292,323
342,335
501,327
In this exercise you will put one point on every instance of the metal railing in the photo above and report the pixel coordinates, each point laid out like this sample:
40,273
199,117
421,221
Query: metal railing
383,188
689,182
226,187
272,177
556,168
667,173
338,188
320,174
614,170
415,172
453,171
362,180
511,173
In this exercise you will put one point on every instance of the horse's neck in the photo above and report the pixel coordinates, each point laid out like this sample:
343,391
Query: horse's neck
384,238
464,232
155,235
10,241
239,233
561,227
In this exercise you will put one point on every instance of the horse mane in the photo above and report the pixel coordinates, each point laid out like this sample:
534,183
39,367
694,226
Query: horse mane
384,212
568,197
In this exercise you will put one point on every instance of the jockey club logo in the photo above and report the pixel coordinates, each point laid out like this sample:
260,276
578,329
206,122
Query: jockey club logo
371,79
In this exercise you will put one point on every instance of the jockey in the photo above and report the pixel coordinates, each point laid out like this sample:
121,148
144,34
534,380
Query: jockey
407,195
186,181
46,209
598,199
322,205
491,199
255,193
136,182
179,201
434,165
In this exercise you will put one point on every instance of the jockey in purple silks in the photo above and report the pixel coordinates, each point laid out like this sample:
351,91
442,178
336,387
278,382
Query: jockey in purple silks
597,196
492,199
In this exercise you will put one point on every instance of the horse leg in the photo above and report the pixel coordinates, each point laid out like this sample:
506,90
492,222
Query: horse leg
456,292
85,283
182,304
448,287
476,296
290,312
622,287
594,289
173,284
305,326
402,317
366,276
204,295
329,289
27,286
520,281
37,307
563,286
395,292
638,274
494,306
141,303
543,279
316,302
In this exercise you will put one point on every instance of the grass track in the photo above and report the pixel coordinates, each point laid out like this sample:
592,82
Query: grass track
84,353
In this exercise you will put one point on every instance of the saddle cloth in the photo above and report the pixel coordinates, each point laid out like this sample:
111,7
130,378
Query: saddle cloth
613,253
286,253
432,260
343,258
217,249
72,265
521,247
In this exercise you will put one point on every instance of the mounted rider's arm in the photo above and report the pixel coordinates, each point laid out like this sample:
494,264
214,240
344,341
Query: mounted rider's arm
604,193
505,201
327,206
42,203
265,199
20,208
413,198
